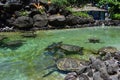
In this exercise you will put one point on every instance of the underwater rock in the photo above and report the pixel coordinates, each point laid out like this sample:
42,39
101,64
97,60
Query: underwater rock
94,40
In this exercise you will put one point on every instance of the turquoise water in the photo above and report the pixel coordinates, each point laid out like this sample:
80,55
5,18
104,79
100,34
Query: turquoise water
28,61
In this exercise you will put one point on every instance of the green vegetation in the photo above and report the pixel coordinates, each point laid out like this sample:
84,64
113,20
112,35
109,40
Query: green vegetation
116,16
82,14
23,13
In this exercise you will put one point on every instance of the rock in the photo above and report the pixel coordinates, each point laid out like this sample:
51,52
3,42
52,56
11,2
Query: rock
53,9
40,20
81,70
119,77
103,73
114,78
94,40
83,77
57,20
96,76
23,22
112,66
97,64
117,56
74,20
34,12
90,73
71,76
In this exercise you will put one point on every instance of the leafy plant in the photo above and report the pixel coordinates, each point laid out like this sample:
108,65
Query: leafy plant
23,13
116,16
60,2
82,14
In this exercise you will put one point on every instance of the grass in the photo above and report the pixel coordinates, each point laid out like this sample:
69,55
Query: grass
29,61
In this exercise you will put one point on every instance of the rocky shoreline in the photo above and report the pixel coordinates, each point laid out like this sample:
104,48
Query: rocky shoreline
44,17
94,23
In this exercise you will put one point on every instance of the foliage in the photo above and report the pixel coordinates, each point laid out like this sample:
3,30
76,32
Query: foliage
23,13
114,7
60,2
69,2
81,14
116,16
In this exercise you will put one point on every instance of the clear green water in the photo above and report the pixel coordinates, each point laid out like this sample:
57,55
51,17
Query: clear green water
28,61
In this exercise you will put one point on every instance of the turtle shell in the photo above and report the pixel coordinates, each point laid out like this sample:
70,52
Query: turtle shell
68,64
108,49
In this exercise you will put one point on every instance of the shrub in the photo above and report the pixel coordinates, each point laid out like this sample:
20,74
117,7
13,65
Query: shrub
116,16
60,2
82,14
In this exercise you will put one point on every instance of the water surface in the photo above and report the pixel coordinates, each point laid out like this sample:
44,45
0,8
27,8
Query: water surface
28,61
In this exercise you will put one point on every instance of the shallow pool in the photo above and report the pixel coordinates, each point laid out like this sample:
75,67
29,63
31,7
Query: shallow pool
28,61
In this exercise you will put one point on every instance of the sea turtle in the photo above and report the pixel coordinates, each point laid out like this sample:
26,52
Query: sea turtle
68,65
104,50
14,43
65,48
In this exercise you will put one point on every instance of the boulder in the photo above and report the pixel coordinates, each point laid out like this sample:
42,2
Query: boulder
40,20
83,77
57,20
74,20
96,76
23,22
53,9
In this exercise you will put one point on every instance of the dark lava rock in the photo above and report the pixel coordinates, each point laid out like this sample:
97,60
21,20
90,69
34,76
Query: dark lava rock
90,73
96,76
40,20
23,22
73,20
112,66
117,55
57,20
94,40
119,77
103,73
97,64
83,77
71,76
53,9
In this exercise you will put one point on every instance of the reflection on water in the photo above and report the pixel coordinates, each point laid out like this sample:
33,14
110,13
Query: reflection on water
28,61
